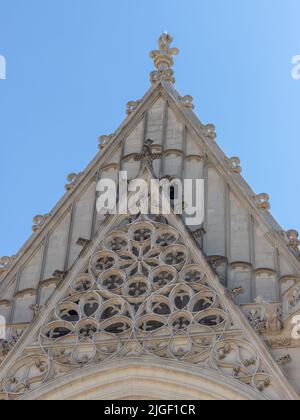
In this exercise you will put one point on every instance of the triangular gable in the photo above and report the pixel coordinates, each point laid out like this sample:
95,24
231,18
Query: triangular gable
142,287
239,237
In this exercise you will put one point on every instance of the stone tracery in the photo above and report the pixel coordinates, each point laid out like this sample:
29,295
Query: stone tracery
142,294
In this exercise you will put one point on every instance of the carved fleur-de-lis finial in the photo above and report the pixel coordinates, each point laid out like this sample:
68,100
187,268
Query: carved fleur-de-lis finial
163,59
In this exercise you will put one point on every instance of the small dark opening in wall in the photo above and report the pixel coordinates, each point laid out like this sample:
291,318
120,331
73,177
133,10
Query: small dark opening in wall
172,193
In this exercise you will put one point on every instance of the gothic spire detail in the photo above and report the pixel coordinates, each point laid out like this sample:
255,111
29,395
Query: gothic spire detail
163,60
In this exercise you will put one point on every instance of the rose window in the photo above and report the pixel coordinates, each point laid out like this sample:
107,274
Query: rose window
144,294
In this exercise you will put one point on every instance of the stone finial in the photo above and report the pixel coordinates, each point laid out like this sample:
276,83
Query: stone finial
72,179
234,164
163,60
132,106
263,201
104,141
39,221
293,238
187,101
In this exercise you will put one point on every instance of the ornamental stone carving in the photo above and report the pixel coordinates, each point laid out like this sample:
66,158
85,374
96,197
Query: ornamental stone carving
293,240
27,374
210,131
132,106
39,222
264,317
262,201
234,164
284,361
291,298
163,60
162,76
73,179
104,141
7,345
187,102
6,263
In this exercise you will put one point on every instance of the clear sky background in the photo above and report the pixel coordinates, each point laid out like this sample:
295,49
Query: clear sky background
72,65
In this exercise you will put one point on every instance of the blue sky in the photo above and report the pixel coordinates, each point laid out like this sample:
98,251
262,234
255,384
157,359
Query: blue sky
72,65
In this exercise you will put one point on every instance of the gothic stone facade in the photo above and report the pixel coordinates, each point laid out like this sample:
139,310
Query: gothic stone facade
117,307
